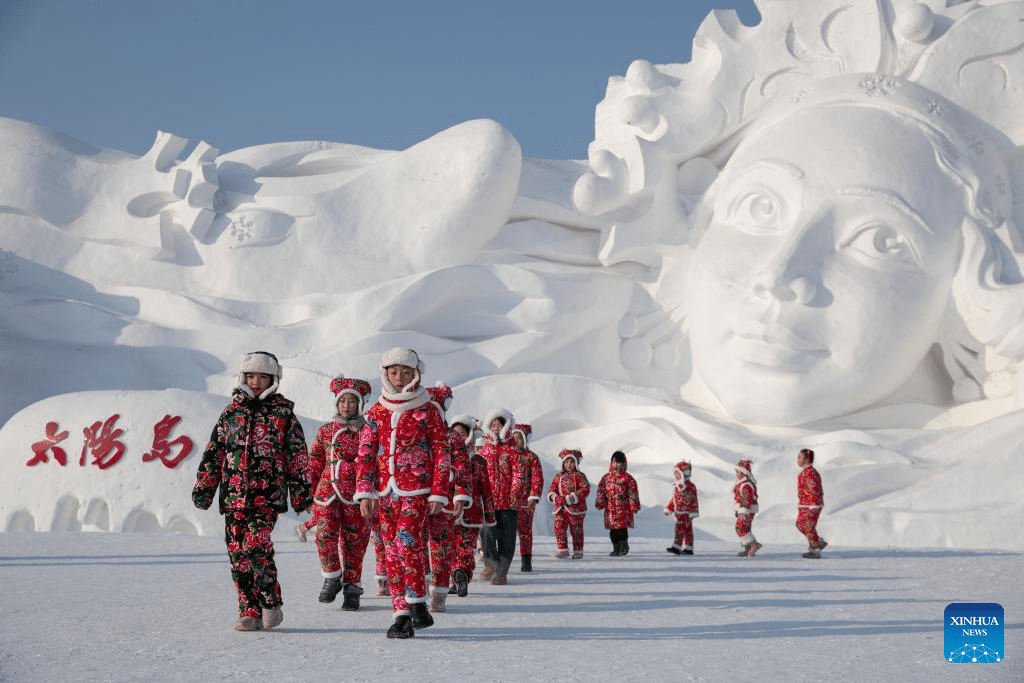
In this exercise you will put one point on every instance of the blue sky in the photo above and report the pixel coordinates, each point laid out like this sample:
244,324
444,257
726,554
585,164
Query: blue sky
382,73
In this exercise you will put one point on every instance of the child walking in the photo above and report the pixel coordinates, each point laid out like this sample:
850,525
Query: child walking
683,504
503,469
475,515
745,495
440,527
403,465
532,485
618,496
257,458
568,494
342,533
810,501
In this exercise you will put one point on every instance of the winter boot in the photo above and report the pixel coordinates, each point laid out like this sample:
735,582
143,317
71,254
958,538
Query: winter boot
562,555
248,624
527,565
674,550
272,616
753,548
623,549
402,628
300,531
743,553
577,554
616,549
461,583
822,546
332,586
488,572
813,554
351,592
438,597
687,551
420,615
382,586
499,580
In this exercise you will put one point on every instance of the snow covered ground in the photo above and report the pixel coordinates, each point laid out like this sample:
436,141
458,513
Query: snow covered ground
159,606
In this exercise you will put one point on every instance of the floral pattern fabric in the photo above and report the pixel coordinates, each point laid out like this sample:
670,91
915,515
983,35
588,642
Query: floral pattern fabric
618,496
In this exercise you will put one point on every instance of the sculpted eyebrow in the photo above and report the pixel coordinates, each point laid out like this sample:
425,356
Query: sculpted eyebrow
890,198
774,164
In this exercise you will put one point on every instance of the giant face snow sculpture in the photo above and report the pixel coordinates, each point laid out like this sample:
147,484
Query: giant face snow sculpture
825,210
827,268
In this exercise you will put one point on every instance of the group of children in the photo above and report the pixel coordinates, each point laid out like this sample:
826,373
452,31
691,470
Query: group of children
426,489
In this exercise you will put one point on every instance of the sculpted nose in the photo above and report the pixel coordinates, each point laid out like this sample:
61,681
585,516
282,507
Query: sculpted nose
797,290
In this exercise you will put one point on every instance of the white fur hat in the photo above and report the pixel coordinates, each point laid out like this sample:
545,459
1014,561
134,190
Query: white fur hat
469,422
505,414
259,361
401,355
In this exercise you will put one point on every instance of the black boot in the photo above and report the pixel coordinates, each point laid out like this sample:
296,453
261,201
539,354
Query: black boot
623,548
402,628
616,551
351,593
527,564
461,583
330,590
420,615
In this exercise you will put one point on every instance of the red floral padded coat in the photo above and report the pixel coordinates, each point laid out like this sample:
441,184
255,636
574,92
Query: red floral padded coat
256,456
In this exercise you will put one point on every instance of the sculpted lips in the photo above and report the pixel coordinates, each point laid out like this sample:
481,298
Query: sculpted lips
775,346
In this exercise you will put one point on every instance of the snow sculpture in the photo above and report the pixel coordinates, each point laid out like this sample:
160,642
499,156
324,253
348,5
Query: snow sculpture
816,165
808,236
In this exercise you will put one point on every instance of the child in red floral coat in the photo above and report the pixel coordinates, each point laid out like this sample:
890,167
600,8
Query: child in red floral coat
810,501
403,467
342,533
440,528
503,469
568,494
618,496
745,496
257,458
683,505
532,486
475,515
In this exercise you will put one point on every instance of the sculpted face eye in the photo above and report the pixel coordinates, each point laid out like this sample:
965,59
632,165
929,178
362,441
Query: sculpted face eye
881,245
755,211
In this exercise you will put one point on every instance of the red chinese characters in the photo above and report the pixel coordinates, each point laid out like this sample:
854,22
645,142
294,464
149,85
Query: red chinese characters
102,441
162,449
41,448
